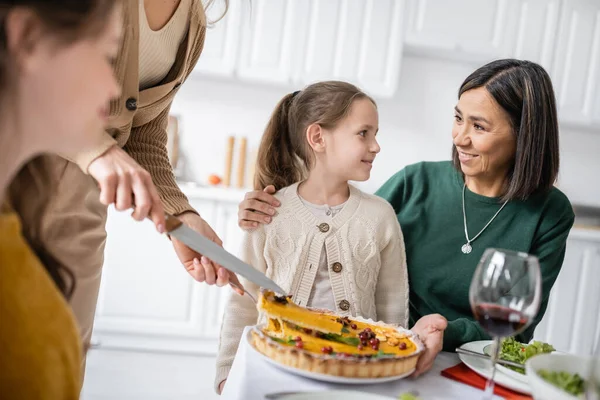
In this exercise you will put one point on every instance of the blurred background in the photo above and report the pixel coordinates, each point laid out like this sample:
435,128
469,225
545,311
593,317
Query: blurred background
156,331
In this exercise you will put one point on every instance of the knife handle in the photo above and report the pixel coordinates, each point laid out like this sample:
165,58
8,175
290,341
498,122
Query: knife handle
172,223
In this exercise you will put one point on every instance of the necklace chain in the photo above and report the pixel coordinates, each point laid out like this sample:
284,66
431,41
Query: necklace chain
466,248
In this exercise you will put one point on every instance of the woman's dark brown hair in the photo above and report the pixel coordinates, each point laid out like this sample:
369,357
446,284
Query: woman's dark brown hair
284,156
524,90
68,20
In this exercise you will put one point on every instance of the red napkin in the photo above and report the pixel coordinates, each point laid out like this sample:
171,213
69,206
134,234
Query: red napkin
463,374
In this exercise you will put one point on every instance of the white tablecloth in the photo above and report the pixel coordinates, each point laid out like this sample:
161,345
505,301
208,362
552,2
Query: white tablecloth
252,377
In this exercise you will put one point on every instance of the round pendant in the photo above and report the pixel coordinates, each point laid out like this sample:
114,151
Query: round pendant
466,248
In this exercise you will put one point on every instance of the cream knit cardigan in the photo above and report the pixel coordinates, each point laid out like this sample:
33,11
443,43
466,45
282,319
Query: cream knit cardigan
363,242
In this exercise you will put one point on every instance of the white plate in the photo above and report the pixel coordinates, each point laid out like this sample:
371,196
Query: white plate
333,395
324,377
513,374
483,367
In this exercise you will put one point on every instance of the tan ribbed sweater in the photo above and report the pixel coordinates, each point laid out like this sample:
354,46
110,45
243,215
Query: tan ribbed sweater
158,49
138,119
364,238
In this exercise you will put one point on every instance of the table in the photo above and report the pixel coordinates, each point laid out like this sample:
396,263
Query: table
251,377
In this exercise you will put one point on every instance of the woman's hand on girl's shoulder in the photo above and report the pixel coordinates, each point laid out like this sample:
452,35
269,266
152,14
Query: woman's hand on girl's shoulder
258,207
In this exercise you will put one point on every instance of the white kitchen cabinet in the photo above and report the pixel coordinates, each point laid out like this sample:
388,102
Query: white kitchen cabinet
292,43
572,320
481,31
267,41
461,29
147,301
576,73
220,53
359,41
535,31
596,111
561,35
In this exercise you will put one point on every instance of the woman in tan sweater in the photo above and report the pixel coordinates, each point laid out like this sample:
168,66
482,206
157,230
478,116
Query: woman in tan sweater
128,164
46,50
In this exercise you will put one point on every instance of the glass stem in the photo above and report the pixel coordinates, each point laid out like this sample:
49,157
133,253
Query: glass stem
489,386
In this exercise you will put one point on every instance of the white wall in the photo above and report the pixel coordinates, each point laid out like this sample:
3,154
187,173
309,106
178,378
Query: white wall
414,125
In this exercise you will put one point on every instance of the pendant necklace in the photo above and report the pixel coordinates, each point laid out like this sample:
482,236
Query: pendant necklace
467,248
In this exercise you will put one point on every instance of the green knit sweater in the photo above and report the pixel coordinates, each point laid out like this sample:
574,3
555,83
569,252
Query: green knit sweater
427,198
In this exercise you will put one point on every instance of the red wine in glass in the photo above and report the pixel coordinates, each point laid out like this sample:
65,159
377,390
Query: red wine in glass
499,321
505,295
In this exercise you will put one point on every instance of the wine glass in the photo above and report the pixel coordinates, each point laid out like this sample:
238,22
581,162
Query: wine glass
505,297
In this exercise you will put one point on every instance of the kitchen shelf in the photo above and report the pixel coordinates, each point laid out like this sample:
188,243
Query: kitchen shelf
221,193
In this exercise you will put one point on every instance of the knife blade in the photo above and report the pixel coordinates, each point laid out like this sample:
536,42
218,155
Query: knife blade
218,254
460,350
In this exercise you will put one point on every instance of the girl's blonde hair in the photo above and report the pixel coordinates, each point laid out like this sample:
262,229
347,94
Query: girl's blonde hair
284,156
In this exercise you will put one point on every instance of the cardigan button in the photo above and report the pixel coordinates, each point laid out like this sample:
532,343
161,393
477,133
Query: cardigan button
131,104
344,305
336,267
324,227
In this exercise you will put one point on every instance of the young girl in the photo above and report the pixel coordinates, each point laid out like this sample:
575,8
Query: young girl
330,246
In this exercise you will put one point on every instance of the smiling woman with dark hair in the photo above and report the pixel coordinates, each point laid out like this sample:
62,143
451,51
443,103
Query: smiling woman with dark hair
496,192
524,92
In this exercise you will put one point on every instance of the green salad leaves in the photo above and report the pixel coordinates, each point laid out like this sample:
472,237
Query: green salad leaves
517,352
570,383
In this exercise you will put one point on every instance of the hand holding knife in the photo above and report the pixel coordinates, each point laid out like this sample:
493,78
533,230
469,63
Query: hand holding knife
216,253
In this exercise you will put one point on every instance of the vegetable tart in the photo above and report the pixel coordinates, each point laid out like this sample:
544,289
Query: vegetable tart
323,342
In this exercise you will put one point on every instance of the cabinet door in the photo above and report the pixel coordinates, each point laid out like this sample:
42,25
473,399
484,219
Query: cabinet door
147,300
268,41
572,320
219,55
145,289
536,31
357,41
577,63
461,28
596,110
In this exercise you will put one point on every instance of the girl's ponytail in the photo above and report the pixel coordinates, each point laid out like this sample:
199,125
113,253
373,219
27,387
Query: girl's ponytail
277,162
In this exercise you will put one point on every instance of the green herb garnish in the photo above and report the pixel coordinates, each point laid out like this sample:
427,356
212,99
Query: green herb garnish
408,396
289,341
345,330
380,353
570,383
352,341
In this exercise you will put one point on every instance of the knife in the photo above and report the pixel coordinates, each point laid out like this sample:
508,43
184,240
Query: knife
218,254
498,361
